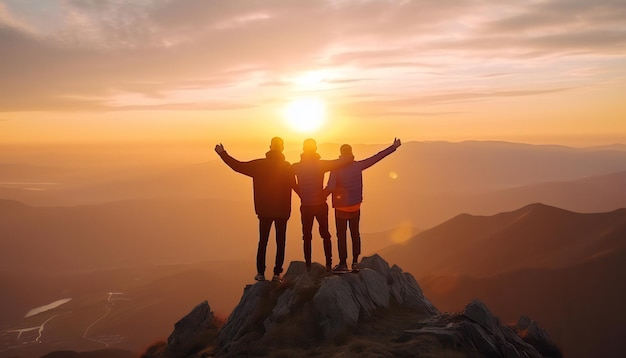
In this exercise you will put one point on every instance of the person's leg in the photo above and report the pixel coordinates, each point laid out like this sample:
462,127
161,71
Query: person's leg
341,225
322,221
306,217
265,224
355,235
280,224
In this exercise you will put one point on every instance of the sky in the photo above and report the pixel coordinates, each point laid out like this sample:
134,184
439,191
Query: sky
88,71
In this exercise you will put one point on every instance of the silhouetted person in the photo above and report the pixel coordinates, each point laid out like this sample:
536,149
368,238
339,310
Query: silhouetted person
346,185
272,180
310,176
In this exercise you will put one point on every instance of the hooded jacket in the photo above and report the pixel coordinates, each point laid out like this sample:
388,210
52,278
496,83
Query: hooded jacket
346,184
310,172
272,182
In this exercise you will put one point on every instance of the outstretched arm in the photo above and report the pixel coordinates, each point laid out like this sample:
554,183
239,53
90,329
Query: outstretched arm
328,165
366,163
244,168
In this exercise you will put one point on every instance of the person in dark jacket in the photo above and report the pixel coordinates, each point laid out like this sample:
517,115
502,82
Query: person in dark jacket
346,185
310,172
272,182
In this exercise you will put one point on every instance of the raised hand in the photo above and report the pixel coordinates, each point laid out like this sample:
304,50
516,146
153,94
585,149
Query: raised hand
219,148
396,142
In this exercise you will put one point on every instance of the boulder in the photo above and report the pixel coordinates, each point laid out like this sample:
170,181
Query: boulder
191,332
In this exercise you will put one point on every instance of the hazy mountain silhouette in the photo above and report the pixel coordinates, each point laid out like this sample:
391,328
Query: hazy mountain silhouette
100,223
125,308
562,268
535,236
122,234
591,194
433,180
537,260
135,233
580,306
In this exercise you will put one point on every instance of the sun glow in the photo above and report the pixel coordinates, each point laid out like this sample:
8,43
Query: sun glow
305,114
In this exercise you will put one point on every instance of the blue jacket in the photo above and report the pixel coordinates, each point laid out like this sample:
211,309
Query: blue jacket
346,184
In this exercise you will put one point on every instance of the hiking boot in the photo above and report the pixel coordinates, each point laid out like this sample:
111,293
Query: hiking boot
341,268
355,267
276,278
260,277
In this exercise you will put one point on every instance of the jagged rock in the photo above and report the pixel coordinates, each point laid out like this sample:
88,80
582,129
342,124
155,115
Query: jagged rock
479,332
531,333
491,337
298,276
369,290
189,332
479,313
315,311
403,287
244,319
334,304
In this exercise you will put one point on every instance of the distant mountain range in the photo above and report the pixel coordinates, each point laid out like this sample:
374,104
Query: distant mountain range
562,268
535,236
580,306
192,228
433,181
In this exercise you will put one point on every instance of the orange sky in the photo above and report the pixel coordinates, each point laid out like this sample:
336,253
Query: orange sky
195,70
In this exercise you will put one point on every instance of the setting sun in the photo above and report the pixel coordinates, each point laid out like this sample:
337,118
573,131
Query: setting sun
305,114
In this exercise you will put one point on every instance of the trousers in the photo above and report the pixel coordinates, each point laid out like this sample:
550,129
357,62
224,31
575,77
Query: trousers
309,213
343,220
265,224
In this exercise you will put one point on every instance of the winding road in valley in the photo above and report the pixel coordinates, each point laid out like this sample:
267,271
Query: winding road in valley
110,302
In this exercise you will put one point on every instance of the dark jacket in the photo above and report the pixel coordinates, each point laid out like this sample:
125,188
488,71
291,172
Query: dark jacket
272,182
310,172
346,183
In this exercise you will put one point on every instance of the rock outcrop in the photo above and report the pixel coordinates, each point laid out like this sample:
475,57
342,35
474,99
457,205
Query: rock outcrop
331,304
192,335
380,311
478,330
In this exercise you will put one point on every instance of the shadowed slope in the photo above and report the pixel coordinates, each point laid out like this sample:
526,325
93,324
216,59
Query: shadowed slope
536,236
580,305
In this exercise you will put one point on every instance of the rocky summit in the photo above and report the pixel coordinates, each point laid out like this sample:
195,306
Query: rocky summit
377,312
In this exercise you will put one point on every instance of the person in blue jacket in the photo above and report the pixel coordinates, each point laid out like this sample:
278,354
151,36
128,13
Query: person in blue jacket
346,186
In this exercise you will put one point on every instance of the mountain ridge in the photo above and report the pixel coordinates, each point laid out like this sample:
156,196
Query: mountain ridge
579,305
379,311
527,236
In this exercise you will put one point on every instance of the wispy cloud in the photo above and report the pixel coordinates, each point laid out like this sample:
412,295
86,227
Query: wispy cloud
84,53
411,105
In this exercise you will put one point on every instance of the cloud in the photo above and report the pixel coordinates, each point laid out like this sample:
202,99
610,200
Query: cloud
403,106
562,16
87,52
